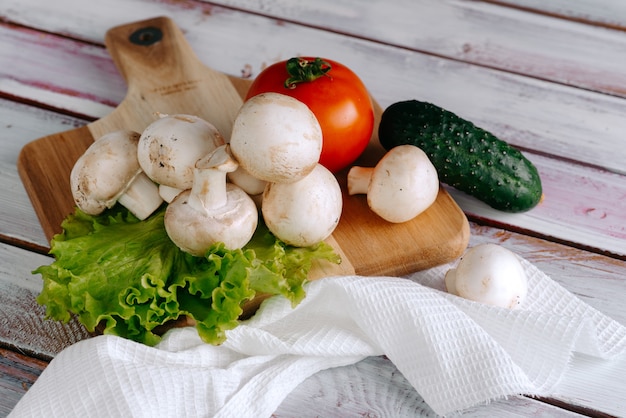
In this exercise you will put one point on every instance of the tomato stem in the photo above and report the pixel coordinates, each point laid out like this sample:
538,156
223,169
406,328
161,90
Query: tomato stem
301,70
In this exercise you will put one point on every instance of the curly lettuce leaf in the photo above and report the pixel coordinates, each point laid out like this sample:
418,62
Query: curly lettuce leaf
126,277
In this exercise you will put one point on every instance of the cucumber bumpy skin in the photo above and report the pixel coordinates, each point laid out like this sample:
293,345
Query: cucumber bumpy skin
467,157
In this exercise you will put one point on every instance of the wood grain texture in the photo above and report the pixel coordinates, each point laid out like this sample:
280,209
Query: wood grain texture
19,372
20,74
610,13
472,31
22,319
44,167
21,225
22,124
165,76
221,40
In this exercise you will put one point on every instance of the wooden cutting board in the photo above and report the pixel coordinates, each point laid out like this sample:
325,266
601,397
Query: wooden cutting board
164,75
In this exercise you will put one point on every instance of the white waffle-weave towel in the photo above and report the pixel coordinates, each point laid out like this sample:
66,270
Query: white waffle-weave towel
456,353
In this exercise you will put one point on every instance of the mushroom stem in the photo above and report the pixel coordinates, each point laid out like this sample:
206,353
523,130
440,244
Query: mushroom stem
212,210
209,186
359,179
168,193
142,197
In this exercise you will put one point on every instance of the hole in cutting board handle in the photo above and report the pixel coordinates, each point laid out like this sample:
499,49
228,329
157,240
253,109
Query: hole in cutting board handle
146,36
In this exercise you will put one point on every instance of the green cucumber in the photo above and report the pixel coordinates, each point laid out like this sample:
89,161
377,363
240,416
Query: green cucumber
466,157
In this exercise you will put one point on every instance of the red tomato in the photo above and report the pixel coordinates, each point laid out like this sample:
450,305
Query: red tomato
336,96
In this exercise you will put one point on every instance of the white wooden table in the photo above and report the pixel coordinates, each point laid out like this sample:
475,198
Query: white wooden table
548,77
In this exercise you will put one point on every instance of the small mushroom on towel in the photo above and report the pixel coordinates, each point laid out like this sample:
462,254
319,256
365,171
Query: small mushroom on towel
491,274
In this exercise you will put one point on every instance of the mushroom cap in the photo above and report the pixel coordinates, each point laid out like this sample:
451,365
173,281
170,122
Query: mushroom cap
250,184
104,171
404,183
234,224
491,274
170,146
276,138
304,212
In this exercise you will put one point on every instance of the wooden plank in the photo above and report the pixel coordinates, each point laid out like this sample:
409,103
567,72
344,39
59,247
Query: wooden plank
18,372
18,221
33,54
22,124
518,109
610,13
22,318
477,32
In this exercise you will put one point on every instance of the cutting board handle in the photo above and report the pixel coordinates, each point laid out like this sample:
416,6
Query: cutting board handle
151,51
164,75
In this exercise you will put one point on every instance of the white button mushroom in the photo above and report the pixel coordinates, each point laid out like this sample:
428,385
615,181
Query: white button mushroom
403,184
490,274
304,212
170,146
212,210
276,138
108,172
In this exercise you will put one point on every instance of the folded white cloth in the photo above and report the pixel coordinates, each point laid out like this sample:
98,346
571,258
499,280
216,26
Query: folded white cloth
456,353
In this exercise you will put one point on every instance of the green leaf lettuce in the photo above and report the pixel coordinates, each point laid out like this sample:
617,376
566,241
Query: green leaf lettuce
126,277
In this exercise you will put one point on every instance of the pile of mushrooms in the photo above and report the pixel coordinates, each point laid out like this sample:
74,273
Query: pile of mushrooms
278,140
216,188
213,189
